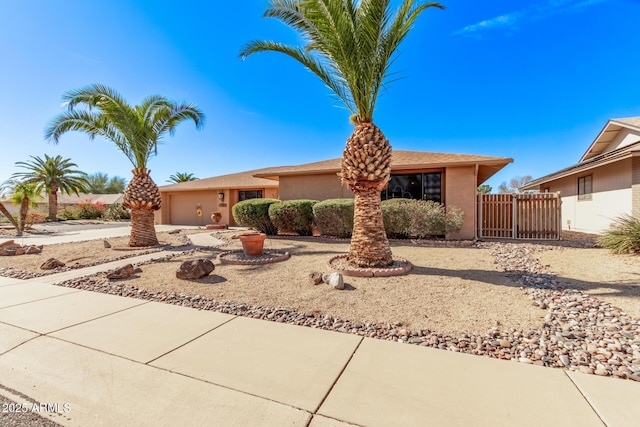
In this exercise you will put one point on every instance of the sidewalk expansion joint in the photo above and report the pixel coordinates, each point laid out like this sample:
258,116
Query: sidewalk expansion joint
585,398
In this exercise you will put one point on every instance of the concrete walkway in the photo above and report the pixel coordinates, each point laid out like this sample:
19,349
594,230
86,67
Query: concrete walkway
104,360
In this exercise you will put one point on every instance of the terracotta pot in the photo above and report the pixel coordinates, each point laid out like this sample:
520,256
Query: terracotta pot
253,243
216,217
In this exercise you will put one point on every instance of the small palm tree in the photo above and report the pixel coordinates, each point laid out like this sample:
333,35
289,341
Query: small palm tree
350,46
136,131
181,177
52,174
23,193
7,188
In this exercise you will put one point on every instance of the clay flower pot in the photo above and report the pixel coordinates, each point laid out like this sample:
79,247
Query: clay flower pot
253,243
216,217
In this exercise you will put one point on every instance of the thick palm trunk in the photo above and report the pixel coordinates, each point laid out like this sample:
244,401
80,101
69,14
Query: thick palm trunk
369,244
142,196
143,231
366,168
24,210
11,219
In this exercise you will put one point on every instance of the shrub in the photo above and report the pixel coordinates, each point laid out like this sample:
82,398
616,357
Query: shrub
334,217
293,215
623,237
255,213
68,213
115,212
34,218
417,218
90,210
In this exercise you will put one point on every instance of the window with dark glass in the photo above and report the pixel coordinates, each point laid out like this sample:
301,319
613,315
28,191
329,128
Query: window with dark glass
584,187
246,195
421,186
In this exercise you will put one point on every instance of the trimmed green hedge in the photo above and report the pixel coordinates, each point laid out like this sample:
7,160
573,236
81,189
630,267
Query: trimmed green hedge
293,215
334,217
405,218
255,213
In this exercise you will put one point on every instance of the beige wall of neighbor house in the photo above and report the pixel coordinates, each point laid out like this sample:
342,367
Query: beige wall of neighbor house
460,191
610,197
314,187
635,185
624,138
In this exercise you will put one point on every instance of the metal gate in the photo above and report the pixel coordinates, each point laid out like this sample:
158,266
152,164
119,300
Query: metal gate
535,216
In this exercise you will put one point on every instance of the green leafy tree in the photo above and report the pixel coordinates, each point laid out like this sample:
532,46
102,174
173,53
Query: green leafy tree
181,177
136,131
484,189
52,174
100,183
350,45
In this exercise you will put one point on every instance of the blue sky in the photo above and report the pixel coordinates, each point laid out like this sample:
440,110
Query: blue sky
531,80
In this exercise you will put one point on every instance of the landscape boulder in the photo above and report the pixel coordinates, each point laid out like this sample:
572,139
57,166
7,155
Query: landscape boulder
195,269
52,263
334,279
8,247
315,278
122,272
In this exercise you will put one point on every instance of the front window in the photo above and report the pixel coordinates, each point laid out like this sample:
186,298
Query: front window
420,186
246,195
584,187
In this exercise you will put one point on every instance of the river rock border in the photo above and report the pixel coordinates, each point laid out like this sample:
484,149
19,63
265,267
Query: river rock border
238,257
339,263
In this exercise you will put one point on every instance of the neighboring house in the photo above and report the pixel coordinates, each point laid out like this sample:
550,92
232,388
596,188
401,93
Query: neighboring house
451,179
604,184
73,200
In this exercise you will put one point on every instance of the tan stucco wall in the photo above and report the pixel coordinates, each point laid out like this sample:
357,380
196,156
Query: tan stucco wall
635,185
179,208
460,191
611,197
315,187
623,138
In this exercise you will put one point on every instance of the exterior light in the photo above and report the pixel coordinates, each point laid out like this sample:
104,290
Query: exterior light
221,196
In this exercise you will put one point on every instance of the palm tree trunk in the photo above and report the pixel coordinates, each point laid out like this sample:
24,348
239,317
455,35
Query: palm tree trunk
53,203
11,219
143,231
24,210
369,243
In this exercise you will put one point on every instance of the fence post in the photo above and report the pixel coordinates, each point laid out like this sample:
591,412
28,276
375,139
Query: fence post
514,227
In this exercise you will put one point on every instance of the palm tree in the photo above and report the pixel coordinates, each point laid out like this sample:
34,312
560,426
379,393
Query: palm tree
100,183
52,174
7,188
25,194
181,177
350,46
136,131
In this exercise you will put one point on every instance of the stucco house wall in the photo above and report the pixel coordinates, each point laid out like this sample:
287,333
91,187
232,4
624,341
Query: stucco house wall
315,187
460,191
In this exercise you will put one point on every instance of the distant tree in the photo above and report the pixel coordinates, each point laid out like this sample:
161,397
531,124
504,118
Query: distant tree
98,110
100,183
52,174
181,177
514,184
484,189
25,194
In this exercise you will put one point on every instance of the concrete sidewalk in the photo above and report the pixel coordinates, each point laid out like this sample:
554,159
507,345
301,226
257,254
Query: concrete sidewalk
106,360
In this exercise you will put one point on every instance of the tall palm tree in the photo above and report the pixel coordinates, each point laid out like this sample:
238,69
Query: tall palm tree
136,131
52,174
350,46
181,177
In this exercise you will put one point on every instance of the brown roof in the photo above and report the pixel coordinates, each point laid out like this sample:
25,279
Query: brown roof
402,160
234,180
632,121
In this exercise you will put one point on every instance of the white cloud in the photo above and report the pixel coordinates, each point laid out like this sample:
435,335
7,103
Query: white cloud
522,16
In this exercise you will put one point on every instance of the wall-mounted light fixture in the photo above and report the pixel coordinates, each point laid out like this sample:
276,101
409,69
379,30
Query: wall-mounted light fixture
221,196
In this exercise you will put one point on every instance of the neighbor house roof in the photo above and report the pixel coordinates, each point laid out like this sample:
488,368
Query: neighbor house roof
596,155
235,180
66,199
401,160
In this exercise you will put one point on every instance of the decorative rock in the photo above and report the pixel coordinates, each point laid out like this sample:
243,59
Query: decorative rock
195,269
51,264
30,250
121,273
8,247
106,243
564,359
334,279
315,278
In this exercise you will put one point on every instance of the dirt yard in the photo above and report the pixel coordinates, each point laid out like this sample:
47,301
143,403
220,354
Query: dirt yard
450,289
